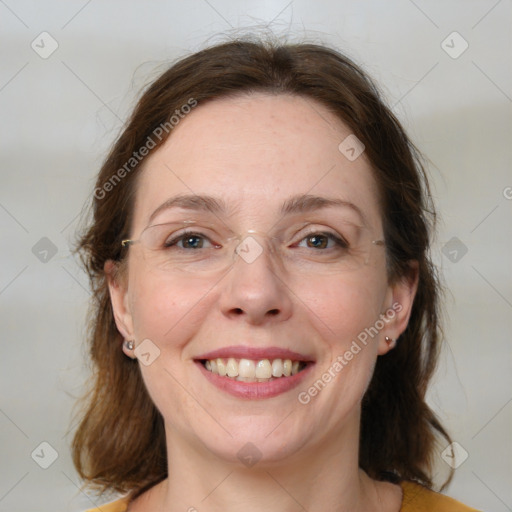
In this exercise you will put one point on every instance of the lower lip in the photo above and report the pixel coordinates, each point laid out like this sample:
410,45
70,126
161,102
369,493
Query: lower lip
255,390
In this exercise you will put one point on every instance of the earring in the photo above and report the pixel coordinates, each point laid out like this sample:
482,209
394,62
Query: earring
389,341
129,344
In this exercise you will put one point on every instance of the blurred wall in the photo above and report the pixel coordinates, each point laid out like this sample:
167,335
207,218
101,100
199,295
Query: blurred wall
69,75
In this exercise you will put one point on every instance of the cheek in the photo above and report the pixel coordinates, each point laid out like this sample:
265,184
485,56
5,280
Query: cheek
340,310
342,307
166,307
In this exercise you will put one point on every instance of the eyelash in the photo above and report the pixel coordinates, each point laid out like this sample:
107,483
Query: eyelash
175,239
339,241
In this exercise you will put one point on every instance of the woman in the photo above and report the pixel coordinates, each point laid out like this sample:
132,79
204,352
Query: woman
265,321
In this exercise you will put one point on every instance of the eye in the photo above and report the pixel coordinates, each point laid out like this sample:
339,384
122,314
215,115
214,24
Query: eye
323,240
189,240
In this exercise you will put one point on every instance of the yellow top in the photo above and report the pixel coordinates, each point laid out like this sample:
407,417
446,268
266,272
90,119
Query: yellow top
416,498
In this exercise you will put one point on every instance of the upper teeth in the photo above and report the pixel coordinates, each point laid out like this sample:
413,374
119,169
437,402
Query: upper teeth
245,369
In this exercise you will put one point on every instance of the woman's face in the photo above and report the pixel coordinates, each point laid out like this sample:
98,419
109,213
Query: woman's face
289,292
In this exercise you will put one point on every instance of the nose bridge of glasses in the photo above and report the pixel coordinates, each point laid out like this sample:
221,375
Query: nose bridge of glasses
251,244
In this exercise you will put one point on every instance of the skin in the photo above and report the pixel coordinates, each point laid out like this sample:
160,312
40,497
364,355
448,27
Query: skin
252,151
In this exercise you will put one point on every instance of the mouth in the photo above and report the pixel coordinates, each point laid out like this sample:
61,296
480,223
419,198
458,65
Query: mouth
252,373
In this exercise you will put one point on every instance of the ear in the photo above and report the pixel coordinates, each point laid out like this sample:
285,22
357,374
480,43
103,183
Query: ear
399,302
118,290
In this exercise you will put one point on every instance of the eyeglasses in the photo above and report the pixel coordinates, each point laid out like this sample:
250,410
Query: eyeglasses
197,247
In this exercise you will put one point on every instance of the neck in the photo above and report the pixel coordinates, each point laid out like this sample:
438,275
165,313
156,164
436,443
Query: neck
323,477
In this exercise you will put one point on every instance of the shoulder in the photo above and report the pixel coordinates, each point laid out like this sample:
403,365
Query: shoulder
120,505
417,498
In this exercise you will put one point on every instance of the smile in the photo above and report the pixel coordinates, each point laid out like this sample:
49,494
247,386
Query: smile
253,373
251,370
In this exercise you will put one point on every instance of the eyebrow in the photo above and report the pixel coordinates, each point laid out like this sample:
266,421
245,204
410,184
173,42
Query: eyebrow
302,203
192,202
305,203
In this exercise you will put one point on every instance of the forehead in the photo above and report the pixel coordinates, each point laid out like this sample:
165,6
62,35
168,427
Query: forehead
255,152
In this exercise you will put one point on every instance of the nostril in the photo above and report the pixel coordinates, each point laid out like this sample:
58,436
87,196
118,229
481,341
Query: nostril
273,312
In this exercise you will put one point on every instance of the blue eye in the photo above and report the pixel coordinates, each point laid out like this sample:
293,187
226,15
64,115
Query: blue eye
192,242
323,241
188,240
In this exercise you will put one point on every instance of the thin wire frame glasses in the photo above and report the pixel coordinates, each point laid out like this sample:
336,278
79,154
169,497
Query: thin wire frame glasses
199,247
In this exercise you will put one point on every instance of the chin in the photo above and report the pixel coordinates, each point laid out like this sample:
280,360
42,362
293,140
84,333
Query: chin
248,451
257,440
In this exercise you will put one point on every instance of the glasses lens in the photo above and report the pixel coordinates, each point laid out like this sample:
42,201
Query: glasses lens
178,247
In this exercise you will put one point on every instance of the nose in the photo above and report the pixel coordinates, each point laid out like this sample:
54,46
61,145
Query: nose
254,289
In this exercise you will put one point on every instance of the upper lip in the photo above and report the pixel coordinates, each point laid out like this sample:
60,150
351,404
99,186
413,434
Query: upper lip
256,353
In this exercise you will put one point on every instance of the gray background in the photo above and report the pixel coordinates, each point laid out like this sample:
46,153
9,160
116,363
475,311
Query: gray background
60,113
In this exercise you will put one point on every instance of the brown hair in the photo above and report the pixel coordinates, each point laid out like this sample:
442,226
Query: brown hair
120,441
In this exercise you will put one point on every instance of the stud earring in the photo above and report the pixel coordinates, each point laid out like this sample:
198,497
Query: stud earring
129,344
389,341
